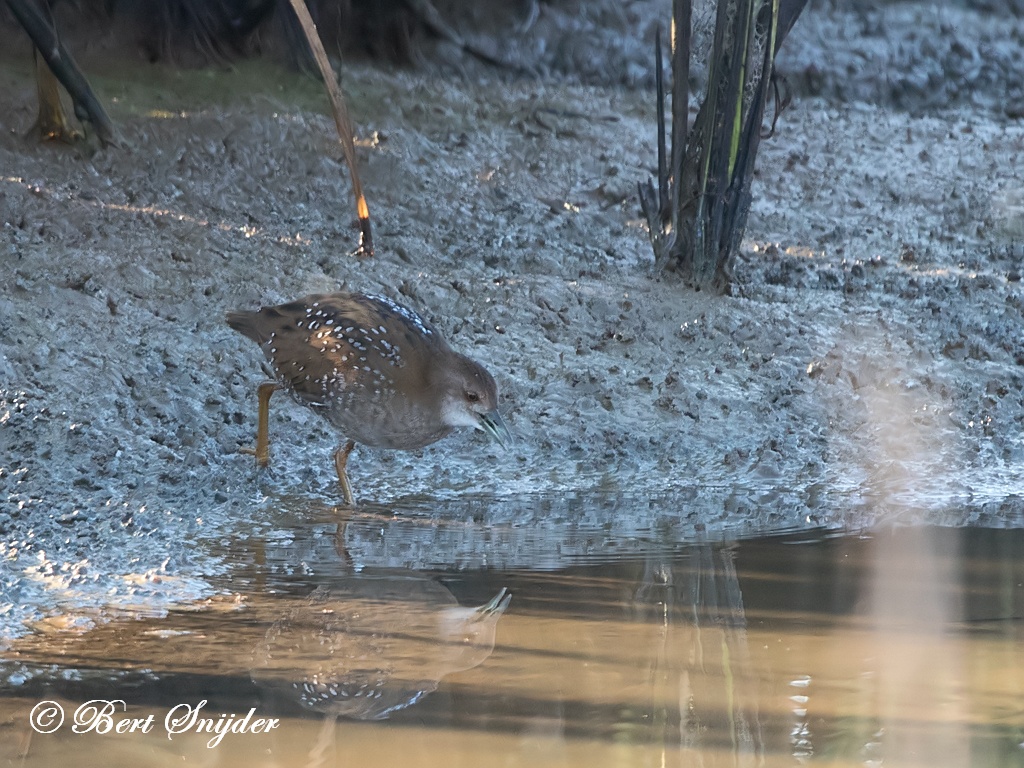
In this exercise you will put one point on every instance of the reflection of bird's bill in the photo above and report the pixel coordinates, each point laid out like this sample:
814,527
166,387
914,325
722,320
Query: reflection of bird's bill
494,425
495,607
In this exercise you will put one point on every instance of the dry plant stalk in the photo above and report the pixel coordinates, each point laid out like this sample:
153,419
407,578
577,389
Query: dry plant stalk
35,19
698,211
341,120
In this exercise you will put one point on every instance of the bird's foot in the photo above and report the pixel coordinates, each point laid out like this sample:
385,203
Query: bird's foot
262,456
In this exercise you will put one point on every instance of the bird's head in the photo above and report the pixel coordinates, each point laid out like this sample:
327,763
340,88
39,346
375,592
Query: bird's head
470,399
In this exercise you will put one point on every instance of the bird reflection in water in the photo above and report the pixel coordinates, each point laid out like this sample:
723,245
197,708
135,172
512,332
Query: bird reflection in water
371,645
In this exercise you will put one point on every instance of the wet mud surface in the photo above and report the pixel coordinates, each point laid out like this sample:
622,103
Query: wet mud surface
870,362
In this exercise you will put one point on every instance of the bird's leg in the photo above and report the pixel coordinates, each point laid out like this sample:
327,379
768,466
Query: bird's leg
262,449
340,460
340,546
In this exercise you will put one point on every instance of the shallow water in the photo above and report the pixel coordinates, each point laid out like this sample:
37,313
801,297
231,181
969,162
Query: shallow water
392,640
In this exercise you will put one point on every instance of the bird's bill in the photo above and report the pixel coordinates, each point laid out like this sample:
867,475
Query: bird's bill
494,425
496,606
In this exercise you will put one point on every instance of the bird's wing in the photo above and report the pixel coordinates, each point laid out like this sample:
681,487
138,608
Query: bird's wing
325,344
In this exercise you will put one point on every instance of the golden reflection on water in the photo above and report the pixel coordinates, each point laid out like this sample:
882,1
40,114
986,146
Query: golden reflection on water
902,648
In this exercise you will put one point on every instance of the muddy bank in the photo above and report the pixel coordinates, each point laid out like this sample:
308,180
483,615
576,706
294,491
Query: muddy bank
869,364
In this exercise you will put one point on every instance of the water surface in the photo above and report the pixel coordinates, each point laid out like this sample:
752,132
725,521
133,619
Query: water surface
392,639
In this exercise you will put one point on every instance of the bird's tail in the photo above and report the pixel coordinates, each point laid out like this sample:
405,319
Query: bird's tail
246,324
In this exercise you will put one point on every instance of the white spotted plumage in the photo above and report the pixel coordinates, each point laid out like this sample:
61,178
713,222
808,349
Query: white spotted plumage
372,367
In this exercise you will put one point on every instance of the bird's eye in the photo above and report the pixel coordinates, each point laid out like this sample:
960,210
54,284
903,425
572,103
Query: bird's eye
473,397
